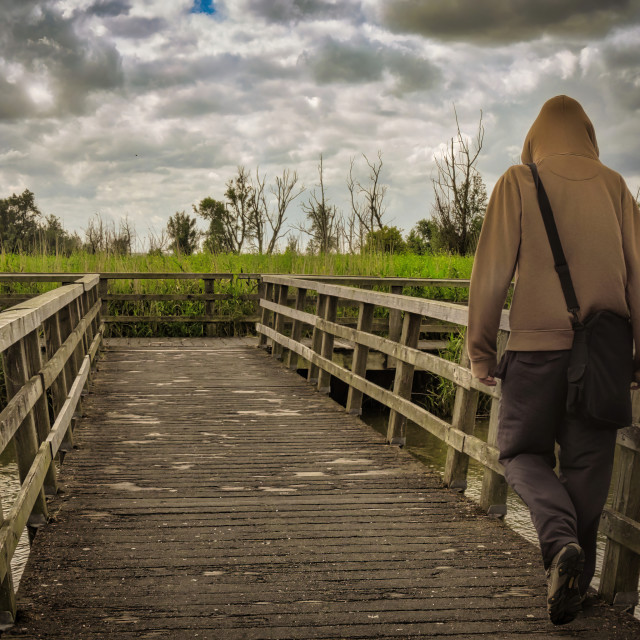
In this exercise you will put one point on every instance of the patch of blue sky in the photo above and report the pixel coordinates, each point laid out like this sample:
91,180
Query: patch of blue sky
203,6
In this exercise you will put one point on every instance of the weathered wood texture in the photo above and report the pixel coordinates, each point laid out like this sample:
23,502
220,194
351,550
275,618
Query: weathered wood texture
216,495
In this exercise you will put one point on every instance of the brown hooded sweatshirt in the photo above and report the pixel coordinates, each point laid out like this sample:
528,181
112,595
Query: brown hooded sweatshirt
599,226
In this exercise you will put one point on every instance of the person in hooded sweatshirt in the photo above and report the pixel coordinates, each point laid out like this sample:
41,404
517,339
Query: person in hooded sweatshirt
599,226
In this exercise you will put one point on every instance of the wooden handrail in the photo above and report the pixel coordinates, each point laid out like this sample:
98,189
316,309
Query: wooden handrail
620,524
66,322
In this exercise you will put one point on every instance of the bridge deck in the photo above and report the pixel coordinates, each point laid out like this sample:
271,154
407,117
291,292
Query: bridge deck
214,495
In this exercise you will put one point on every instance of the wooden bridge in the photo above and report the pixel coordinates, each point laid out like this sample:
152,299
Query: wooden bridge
210,491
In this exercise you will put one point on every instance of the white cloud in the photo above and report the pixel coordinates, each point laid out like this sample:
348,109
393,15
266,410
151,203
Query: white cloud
145,108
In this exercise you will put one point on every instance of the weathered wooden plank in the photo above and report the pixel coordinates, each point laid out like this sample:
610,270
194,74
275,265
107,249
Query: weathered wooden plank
179,297
465,443
255,519
185,318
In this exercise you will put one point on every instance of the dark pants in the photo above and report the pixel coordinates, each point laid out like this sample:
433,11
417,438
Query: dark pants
566,507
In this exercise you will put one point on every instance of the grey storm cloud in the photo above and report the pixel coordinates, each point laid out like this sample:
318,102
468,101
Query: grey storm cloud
365,61
42,50
493,21
109,8
286,11
136,27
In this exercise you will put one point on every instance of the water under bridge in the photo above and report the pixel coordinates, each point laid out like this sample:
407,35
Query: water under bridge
209,490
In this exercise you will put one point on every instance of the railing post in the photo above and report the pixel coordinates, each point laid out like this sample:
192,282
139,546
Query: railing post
493,497
316,337
282,294
326,349
209,308
266,293
464,419
395,325
75,359
296,329
8,607
621,566
103,288
41,408
403,380
26,437
360,354
61,385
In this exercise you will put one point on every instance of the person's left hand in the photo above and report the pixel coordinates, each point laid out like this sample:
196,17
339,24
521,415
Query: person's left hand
490,381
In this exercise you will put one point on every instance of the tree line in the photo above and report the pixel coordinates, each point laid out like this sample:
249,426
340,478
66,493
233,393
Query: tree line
253,216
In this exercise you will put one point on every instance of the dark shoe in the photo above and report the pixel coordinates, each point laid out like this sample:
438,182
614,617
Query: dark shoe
563,596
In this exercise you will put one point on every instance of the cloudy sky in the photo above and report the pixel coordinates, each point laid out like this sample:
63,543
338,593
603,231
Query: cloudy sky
144,107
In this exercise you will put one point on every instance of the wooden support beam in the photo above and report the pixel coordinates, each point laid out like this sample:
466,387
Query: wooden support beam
360,355
209,307
464,420
266,293
493,496
296,329
395,323
326,348
316,337
61,384
403,381
281,294
621,566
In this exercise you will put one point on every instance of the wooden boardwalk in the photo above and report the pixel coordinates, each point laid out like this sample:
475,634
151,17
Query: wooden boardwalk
216,495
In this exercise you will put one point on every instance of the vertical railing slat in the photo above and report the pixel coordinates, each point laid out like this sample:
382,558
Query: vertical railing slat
296,329
403,381
464,419
360,356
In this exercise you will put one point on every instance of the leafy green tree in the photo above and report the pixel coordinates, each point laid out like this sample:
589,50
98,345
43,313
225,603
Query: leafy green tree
386,240
181,229
216,237
422,237
19,222
238,217
55,239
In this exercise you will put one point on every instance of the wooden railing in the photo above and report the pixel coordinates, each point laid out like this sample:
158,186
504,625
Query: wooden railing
213,293
47,346
621,522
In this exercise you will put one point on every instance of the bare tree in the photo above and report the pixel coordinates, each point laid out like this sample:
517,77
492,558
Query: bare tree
322,217
258,212
285,192
158,242
460,194
367,200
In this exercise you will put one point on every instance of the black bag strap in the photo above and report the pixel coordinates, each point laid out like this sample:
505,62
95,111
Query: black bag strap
562,268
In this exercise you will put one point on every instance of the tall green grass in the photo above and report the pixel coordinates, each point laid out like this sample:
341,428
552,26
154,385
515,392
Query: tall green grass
371,264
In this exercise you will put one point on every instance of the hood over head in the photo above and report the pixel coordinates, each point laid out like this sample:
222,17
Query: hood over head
562,127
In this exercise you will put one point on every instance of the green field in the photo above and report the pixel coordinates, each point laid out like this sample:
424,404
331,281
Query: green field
375,264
